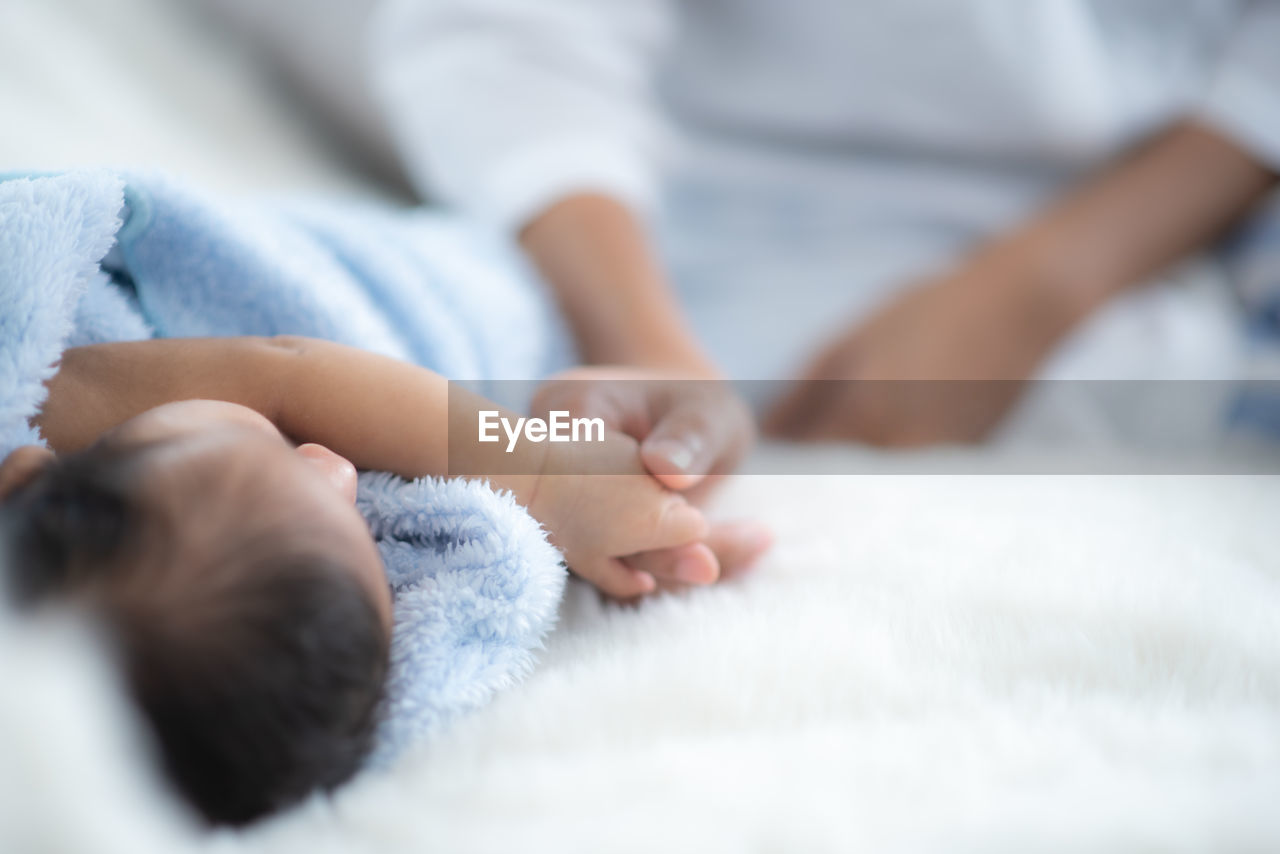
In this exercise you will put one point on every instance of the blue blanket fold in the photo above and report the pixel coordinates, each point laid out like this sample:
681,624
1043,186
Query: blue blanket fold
97,256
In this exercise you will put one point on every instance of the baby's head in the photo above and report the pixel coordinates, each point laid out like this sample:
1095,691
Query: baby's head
242,590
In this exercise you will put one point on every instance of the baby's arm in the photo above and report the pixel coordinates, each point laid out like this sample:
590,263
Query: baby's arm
381,414
378,412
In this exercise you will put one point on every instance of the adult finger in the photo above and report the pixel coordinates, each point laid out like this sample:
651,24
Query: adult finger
701,434
836,419
619,404
792,416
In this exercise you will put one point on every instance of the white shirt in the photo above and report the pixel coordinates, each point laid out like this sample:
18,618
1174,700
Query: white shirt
503,106
804,159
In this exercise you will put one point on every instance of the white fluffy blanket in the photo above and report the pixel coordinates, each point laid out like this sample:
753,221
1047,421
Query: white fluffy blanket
924,662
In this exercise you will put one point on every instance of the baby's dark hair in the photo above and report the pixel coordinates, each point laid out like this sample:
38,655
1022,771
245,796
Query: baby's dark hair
260,677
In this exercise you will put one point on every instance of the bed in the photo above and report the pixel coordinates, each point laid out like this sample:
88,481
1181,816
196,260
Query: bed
941,652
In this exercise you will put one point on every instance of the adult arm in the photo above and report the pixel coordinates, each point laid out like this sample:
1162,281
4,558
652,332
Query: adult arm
1003,309
999,314
538,116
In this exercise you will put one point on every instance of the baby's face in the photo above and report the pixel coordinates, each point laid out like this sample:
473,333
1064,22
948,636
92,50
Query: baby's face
226,471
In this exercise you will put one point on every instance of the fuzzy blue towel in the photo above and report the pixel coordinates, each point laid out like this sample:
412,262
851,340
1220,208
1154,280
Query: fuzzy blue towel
96,256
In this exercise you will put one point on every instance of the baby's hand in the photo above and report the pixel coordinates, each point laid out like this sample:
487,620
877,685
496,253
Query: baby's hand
598,519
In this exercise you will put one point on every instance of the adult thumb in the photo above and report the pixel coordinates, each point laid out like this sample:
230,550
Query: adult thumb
682,448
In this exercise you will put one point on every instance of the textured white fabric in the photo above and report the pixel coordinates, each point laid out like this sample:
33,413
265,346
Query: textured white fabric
1006,663
1244,99
473,89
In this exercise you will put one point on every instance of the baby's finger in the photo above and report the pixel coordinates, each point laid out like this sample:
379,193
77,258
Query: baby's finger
614,578
691,564
670,521
729,550
737,545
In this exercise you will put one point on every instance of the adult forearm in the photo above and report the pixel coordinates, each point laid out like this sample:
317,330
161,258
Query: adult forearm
597,258
1163,202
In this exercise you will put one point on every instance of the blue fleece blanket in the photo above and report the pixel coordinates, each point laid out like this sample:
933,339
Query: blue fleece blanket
97,256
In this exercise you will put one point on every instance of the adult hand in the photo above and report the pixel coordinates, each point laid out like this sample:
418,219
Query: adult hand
943,362
1000,314
692,432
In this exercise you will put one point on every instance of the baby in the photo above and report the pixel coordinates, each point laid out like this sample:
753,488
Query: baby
198,500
